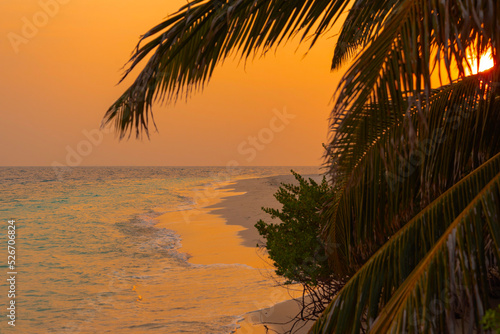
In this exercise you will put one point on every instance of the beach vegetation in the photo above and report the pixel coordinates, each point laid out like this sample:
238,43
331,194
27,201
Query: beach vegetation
414,151
292,240
491,320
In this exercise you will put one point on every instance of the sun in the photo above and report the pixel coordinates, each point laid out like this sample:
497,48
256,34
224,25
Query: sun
485,63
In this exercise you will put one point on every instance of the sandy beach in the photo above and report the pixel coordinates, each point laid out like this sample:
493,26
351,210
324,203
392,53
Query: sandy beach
219,228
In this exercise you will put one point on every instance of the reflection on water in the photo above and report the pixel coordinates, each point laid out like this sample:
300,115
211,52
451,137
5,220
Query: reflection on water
91,261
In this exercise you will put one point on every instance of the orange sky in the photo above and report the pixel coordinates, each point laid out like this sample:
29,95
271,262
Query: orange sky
63,78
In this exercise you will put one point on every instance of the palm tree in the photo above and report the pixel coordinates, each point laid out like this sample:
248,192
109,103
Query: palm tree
416,220
415,165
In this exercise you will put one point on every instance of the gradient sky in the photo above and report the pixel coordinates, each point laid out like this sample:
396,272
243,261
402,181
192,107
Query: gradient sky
63,78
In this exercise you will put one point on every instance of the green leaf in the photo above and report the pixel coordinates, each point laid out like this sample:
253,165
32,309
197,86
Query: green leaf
385,176
437,258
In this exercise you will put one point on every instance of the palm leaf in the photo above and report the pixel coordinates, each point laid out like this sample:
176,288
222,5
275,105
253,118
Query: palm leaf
438,251
185,49
363,24
385,177
395,67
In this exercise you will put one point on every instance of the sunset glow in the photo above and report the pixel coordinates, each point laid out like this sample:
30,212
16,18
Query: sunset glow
72,59
249,166
485,63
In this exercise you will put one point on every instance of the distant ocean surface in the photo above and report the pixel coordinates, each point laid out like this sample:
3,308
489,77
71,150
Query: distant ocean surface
86,249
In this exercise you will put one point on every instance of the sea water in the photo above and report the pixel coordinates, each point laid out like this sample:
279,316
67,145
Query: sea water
89,258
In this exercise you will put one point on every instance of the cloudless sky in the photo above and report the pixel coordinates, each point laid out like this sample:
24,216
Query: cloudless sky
59,77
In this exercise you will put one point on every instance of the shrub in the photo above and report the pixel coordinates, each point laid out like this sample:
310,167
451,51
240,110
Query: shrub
294,244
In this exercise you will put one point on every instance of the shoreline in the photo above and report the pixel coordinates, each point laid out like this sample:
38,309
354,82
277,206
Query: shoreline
206,237
246,210
219,228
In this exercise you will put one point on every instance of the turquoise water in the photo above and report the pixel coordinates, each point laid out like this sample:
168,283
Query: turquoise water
90,260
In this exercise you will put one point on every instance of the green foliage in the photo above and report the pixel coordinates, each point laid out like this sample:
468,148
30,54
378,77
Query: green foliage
414,210
437,258
491,320
293,244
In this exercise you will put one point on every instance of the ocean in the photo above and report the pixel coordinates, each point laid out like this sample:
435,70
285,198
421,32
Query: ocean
89,259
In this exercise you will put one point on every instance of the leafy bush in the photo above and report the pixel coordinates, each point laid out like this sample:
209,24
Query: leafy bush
491,320
293,244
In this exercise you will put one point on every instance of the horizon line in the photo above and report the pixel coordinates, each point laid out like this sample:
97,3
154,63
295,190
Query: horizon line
162,166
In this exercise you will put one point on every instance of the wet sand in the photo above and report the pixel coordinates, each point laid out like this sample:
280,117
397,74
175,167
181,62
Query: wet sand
219,228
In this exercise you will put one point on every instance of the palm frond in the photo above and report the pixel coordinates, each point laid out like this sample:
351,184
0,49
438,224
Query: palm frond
363,23
397,62
385,176
187,46
437,256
